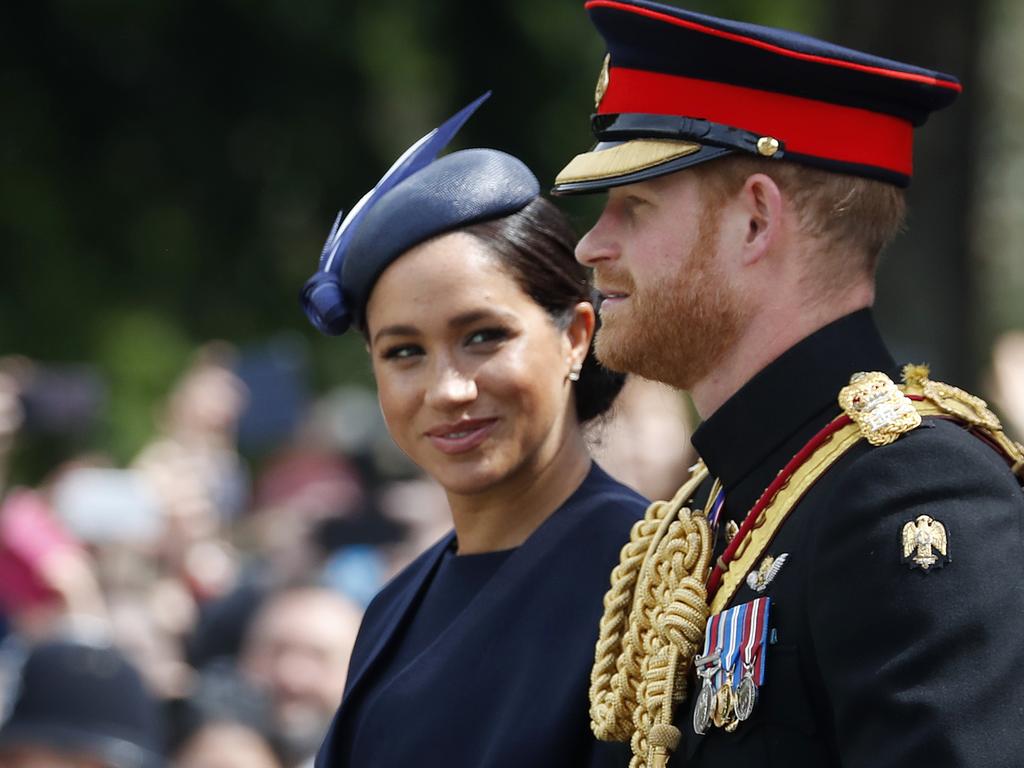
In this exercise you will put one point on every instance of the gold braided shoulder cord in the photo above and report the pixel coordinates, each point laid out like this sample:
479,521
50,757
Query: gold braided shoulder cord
948,400
654,618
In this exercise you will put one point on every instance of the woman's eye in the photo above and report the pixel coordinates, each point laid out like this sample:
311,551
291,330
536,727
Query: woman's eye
486,335
402,352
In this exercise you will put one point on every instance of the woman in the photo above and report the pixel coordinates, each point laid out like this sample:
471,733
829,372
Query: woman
478,321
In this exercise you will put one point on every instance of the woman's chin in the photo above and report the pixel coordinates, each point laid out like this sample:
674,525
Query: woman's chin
468,478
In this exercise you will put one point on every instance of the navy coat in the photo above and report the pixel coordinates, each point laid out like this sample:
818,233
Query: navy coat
506,683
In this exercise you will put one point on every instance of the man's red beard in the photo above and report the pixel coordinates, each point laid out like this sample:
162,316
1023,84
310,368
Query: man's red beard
678,330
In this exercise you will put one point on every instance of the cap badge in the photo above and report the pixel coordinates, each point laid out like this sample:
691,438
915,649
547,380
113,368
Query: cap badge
878,407
603,78
925,544
760,579
768,146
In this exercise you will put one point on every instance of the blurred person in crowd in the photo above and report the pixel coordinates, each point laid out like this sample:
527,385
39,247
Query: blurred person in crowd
81,706
645,441
478,322
47,576
301,487
11,417
297,652
420,505
1007,378
150,624
225,723
195,469
306,488
47,579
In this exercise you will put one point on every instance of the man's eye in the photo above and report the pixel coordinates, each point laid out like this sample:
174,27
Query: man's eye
402,351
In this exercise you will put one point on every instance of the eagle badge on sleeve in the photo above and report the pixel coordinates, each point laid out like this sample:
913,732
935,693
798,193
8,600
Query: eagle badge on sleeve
925,544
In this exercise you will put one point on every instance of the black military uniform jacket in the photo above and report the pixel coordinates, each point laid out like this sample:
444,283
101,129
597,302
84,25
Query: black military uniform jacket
875,664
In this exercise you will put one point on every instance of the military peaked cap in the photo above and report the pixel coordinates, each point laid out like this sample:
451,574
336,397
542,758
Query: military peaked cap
680,88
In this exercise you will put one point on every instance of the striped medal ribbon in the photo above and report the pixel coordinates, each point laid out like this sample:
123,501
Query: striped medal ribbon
755,636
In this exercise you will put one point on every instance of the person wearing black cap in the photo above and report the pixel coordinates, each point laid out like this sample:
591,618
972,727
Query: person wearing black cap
478,321
851,592
81,706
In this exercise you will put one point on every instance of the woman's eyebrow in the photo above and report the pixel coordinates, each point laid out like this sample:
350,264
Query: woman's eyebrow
468,318
395,330
459,321
476,315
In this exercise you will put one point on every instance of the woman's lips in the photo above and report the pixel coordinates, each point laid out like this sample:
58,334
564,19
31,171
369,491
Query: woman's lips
462,437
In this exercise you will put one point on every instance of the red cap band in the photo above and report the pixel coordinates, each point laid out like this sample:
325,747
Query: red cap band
804,126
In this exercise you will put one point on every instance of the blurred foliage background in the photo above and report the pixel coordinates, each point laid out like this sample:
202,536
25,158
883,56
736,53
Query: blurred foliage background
169,168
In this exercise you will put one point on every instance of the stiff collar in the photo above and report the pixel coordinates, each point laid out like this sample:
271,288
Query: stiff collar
799,388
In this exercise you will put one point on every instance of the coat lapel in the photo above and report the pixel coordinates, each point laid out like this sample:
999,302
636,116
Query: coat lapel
388,623
396,613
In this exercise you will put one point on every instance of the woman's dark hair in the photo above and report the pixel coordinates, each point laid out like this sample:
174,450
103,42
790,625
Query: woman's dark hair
536,245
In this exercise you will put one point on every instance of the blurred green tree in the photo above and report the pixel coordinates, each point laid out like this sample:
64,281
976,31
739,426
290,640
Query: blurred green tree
168,169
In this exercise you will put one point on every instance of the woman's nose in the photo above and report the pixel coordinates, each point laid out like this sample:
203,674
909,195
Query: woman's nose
450,387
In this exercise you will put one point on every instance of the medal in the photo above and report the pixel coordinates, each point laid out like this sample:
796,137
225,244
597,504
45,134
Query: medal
723,705
707,668
746,698
702,710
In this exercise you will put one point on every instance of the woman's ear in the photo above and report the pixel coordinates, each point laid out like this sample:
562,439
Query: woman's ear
580,332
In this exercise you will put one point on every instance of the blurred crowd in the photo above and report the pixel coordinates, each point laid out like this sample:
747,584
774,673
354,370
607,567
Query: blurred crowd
197,605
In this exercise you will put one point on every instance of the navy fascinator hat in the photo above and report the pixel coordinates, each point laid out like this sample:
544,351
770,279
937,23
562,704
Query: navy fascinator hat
418,198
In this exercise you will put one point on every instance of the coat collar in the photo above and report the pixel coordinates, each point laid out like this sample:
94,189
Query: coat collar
513,573
799,388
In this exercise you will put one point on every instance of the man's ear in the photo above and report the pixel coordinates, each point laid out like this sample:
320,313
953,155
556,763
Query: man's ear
761,203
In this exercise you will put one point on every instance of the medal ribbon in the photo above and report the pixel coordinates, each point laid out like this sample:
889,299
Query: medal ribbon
711,637
755,629
761,645
716,509
746,640
732,629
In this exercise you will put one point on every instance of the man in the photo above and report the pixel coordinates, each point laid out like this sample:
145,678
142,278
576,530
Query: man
856,564
297,650
80,706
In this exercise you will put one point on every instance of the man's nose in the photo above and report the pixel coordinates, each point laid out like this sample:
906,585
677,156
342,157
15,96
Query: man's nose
598,244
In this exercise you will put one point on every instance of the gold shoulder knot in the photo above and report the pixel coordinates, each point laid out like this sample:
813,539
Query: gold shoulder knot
877,406
949,399
945,399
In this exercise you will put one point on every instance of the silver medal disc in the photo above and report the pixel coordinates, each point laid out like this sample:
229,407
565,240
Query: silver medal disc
702,710
746,698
